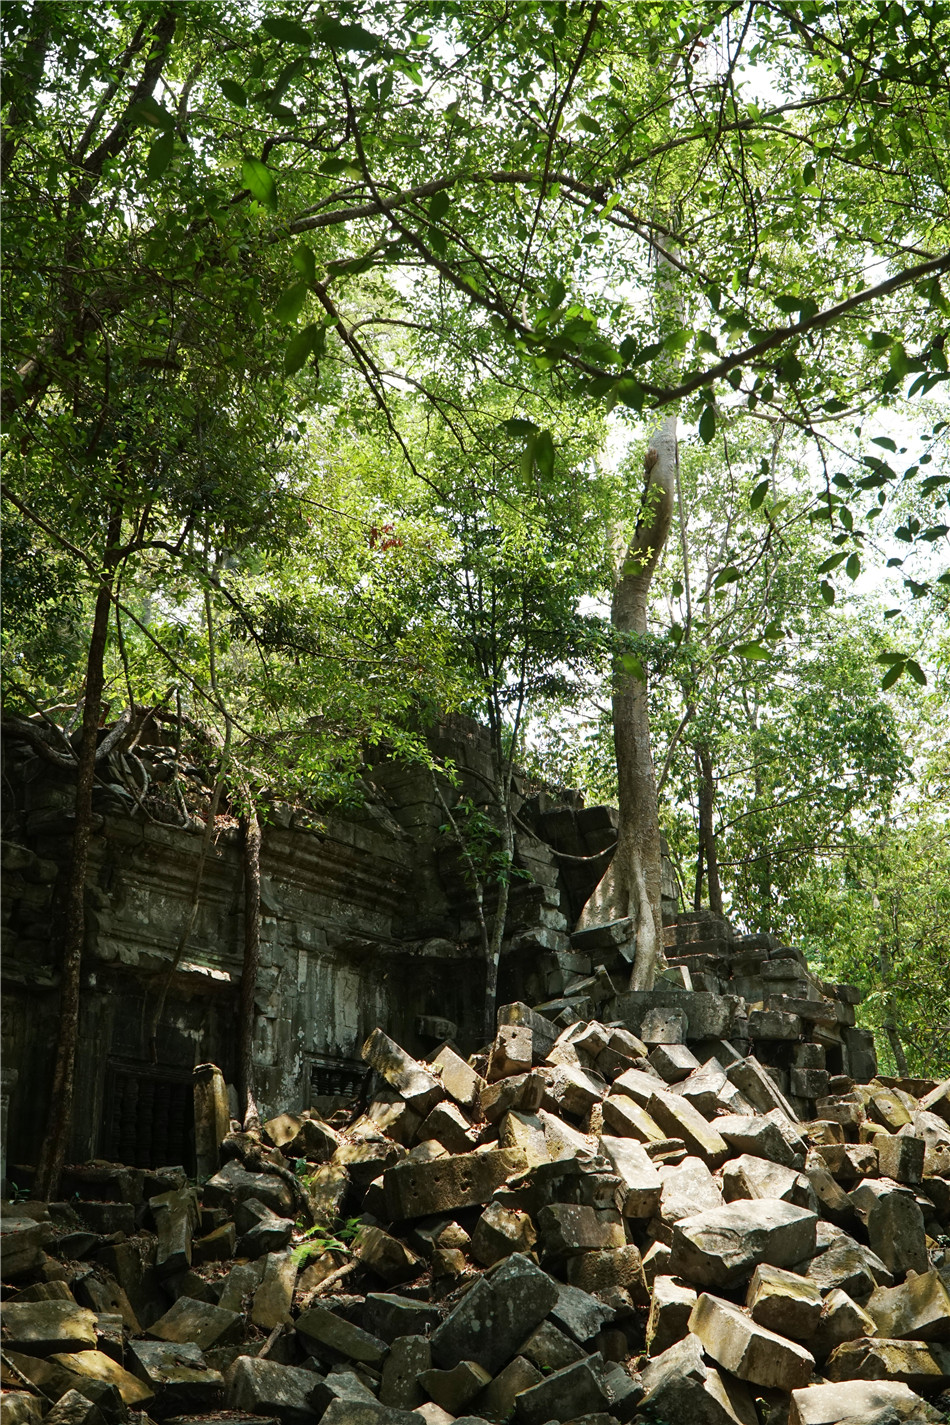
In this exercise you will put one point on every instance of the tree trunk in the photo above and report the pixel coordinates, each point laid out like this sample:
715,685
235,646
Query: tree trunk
707,832
251,828
59,1122
887,975
631,884
497,934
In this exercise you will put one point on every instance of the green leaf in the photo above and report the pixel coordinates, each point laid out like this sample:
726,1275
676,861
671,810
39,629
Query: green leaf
633,667
517,426
853,566
354,37
159,157
630,392
287,31
290,302
557,293
887,659
707,424
299,348
677,589
305,262
827,591
150,111
439,204
544,454
758,494
753,651
258,178
885,442
233,91
727,576
832,562
892,675
916,672
527,458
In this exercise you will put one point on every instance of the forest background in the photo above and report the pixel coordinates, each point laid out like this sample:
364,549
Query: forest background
336,344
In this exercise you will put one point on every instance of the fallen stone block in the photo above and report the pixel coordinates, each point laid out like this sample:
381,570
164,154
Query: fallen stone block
918,1308
566,1394
849,1266
267,1388
784,1302
890,1107
240,1284
448,1125
234,1184
177,1373
664,1025
409,1357
259,1229
420,1189
679,1119
674,1062
459,1079
566,1228
740,1345
638,1085
687,1189
389,1316
809,1083
639,1178
40,1328
759,1087
495,1316
671,1306
196,1321
524,1131
870,1403
390,1259
89,1367
923,1365
678,1385
219,1245
751,1177
841,1320
622,1115
543,1032
391,1115
938,1101
895,1226
323,1328
176,1218
497,1401
499,1232
722,1247
298,1136
901,1158
456,1387
420,1089
274,1297
607,1273
511,1052
573,1090
341,1383
74,1409
759,1137
549,1348
19,1407
710,1090
578,1313
21,1243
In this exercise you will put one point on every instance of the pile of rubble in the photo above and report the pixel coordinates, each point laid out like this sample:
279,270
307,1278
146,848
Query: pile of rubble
578,1224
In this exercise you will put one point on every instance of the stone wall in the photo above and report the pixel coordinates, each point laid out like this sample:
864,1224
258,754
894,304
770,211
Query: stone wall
367,919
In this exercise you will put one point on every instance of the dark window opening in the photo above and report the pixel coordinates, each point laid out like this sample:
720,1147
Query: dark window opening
336,1078
149,1117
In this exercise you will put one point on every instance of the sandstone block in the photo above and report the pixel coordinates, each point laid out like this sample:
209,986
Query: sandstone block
524,1131
890,1107
663,1025
722,1247
420,1089
674,1062
177,1373
97,1366
938,1100
409,1357
603,1273
543,1031
267,1388
919,1308
849,1266
325,1328
389,1316
923,1365
456,1387
759,1087
448,1125
234,1184
511,1052
679,1386
639,1178
688,1187
197,1321
871,1403
748,1176
578,1313
566,1228
459,1079
574,1090
671,1305
809,1083
390,1259
498,1399
841,1320
749,1351
901,1158
495,1316
565,1395
302,1137
274,1297
260,1230
499,1232
176,1217
760,1137
40,1328
895,1226
628,1119
420,1189
784,1302
679,1119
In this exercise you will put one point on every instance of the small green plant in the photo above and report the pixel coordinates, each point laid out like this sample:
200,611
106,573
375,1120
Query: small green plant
323,1238
17,1193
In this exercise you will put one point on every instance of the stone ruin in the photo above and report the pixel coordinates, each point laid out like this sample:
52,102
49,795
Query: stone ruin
699,1205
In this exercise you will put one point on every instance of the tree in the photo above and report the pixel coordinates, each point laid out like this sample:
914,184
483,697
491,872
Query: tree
475,179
